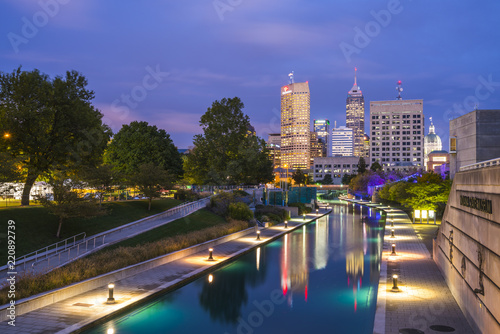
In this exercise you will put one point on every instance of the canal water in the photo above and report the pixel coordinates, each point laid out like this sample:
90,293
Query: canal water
320,278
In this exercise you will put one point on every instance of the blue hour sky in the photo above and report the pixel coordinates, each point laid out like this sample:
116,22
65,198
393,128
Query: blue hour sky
165,62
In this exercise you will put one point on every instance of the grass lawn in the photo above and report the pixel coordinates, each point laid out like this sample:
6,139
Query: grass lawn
194,222
36,228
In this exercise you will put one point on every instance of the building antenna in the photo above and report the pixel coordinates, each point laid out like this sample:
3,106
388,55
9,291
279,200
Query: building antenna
399,89
290,78
355,71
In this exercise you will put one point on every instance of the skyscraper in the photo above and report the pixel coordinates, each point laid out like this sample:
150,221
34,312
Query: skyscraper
342,141
322,129
295,125
355,116
397,132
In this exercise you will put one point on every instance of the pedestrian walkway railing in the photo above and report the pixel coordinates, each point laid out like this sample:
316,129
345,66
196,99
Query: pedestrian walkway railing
482,164
65,256
42,253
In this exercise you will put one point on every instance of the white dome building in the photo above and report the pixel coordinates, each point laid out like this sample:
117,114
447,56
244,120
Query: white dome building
432,142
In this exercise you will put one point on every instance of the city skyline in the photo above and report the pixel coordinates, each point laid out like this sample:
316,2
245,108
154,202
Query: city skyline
189,55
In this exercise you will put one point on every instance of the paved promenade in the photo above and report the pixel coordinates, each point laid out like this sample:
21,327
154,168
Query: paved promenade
77,312
424,300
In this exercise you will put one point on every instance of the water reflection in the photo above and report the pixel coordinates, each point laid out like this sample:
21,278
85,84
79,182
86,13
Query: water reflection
224,296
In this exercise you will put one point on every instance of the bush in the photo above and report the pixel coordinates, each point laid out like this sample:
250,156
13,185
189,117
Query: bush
302,207
186,195
270,214
240,211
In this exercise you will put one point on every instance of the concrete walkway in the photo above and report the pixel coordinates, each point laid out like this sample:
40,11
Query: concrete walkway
424,300
82,310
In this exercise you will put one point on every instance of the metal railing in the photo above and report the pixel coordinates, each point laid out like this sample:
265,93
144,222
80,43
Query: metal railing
60,246
77,249
482,164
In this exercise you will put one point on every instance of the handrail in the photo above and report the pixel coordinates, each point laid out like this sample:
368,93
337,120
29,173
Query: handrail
56,248
482,164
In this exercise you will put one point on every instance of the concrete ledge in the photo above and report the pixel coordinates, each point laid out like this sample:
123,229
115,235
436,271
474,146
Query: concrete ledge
29,304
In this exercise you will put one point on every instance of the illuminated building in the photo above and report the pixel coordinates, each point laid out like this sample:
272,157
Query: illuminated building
397,129
336,166
432,142
355,117
295,125
342,141
322,129
274,147
366,147
318,148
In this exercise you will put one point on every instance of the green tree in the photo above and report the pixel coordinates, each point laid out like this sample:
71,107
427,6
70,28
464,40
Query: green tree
66,203
361,165
327,179
151,180
346,179
139,143
375,167
226,153
51,124
428,193
299,177
100,178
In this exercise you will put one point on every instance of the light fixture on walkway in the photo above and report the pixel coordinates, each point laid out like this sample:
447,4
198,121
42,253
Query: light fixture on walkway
395,287
110,300
317,211
393,250
286,223
392,222
304,216
258,235
392,234
210,254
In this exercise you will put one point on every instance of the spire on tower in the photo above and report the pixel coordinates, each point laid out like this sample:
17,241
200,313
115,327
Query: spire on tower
399,89
290,78
355,71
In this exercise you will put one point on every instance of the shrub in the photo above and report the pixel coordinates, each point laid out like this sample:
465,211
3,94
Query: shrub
302,207
271,213
186,195
240,211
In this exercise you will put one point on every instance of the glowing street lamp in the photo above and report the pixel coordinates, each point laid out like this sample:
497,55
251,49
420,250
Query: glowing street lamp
258,235
395,287
392,234
286,223
393,249
304,215
6,135
210,254
110,300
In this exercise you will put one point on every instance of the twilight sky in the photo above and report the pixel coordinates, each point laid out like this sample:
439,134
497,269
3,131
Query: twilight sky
165,62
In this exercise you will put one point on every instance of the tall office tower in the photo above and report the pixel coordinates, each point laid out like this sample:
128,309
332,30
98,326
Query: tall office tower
355,116
295,125
318,147
397,132
432,142
342,141
274,147
322,129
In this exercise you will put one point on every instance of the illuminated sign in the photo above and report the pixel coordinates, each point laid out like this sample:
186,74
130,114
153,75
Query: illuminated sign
480,204
286,90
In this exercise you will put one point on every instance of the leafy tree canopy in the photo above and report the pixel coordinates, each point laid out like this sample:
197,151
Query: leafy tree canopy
151,180
361,165
139,143
226,152
375,167
299,177
50,124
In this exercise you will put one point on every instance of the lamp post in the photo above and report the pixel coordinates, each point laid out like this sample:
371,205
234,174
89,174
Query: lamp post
392,234
210,254
286,223
395,287
393,249
258,235
110,300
